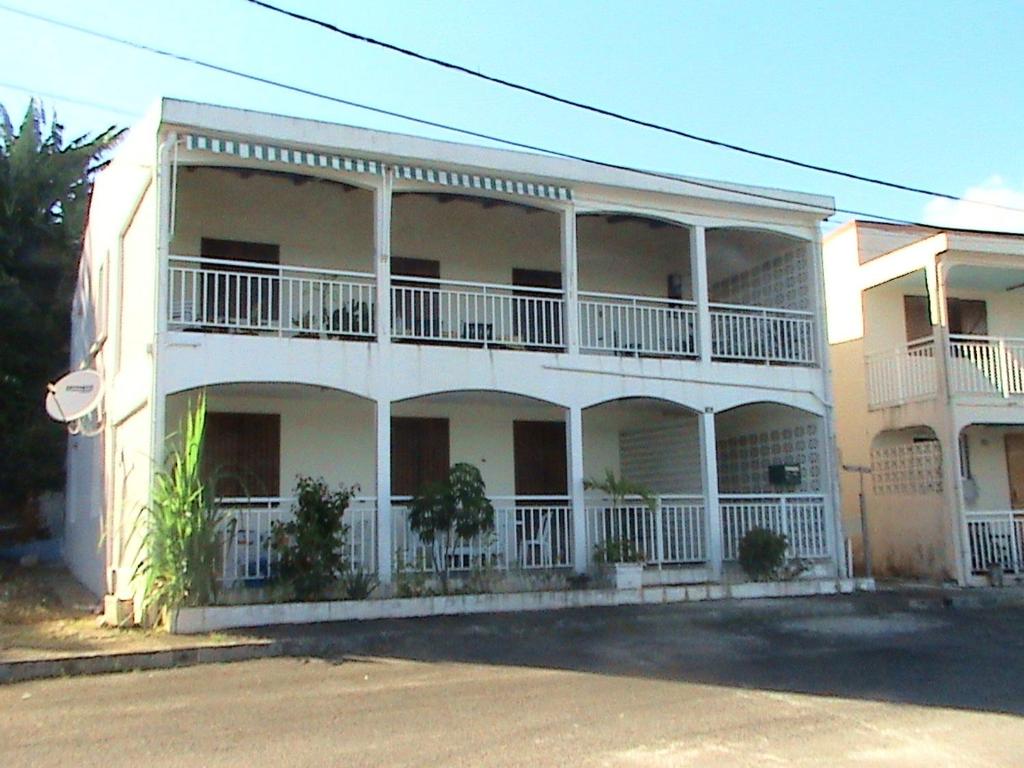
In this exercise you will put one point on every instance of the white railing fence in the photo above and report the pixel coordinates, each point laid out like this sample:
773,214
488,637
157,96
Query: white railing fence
248,547
671,531
986,365
637,325
240,296
903,374
529,533
762,334
800,517
995,538
459,312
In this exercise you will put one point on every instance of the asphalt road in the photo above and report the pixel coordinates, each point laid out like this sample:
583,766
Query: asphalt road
841,682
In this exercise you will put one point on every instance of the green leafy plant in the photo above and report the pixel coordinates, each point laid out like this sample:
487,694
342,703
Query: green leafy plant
182,542
311,545
762,554
358,585
616,549
449,513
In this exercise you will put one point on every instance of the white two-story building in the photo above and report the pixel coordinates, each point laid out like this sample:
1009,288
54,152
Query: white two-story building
371,307
927,335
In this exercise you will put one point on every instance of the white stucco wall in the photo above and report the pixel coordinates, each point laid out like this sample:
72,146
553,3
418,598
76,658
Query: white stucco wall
316,224
630,257
987,448
473,242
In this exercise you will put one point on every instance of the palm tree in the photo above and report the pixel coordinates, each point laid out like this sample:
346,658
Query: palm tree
44,190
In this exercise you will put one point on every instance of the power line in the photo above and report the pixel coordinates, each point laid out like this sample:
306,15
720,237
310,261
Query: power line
616,115
435,124
69,99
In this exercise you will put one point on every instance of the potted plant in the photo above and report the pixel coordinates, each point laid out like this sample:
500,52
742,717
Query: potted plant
625,557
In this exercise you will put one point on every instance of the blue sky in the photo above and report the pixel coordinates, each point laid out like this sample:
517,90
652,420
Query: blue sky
925,93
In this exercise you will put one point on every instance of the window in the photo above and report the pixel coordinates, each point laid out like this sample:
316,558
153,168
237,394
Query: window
967,316
917,318
419,454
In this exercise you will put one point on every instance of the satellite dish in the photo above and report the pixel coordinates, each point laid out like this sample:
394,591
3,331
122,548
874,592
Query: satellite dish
74,396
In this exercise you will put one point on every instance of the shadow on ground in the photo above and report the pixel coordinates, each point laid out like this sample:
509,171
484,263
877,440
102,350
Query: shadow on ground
861,647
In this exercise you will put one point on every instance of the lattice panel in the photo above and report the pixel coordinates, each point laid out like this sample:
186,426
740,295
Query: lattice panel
912,468
782,282
743,460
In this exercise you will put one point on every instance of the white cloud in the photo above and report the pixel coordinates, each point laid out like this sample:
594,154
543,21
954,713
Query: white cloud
964,214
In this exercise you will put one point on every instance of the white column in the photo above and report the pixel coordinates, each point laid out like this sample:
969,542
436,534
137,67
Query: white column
382,260
699,273
385,543
570,281
574,445
709,481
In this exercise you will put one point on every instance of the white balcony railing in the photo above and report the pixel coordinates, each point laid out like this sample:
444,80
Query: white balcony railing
637,325
671,531
529,533
250,297
800,517
248,548
762,334
986,365
996,538
484,314
902,375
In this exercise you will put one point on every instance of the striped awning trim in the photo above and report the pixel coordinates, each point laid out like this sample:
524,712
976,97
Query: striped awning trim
484,183
247,150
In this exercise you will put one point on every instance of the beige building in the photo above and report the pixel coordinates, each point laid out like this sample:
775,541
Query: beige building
926,329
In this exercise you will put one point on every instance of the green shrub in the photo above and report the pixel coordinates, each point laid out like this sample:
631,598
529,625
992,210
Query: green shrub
449,512
762,554
358,585
311,546
182,542
618,551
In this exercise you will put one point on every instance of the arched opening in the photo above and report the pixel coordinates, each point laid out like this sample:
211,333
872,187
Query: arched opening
636,286
260,438
269,252
763,297
477,271
992,478
772,473
645,499
519,444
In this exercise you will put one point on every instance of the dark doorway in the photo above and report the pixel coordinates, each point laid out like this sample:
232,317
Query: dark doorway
242,454
244,295
540,458
538,318
419,454
416,307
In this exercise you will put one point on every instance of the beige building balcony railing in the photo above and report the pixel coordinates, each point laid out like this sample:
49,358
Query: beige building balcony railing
976,365
996,538
216,295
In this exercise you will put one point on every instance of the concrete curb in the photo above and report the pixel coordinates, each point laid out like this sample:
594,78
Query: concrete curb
136,661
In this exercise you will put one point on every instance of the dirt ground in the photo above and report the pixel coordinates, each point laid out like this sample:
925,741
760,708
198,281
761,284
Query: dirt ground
45,613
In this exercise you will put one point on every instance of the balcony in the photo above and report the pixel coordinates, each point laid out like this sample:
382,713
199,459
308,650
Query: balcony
478,314
254,298
978,366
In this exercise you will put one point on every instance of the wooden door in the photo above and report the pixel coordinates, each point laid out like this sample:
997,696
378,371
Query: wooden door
1015,468
540,458
917,317
419,454
967,316
537,321
416,307
249,298
242,454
